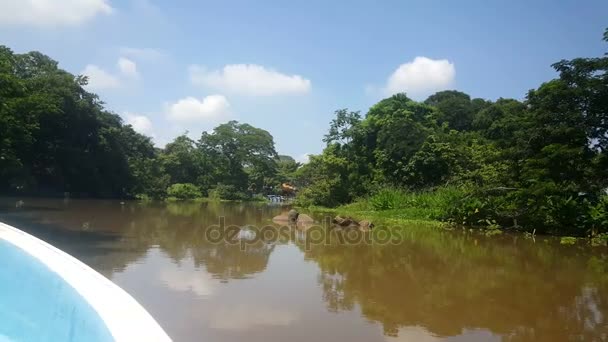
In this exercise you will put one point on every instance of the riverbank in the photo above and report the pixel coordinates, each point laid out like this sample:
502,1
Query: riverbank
380,218
394,207
393,219
211,199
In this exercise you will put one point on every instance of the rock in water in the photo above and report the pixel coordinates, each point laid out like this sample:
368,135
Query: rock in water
303,218
366,225
344,221
338,220
292,215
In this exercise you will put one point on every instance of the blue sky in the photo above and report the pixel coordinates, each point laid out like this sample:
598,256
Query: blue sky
285,66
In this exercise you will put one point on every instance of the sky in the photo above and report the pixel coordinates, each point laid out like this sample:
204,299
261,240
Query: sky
175,66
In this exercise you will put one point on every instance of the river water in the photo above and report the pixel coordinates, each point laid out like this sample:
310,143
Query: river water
285,283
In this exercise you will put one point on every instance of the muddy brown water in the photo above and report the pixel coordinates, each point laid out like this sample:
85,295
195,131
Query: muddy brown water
429,285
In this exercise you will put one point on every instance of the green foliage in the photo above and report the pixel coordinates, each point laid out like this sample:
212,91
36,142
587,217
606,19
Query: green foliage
55,137
479,208
182,162
286,169
492,232
388,198
227,192
183,191
327,179
538,165
600,240
421,205
259,198
567,240
321,192
598,215
242,156
432,164
397,127
455,108
391,198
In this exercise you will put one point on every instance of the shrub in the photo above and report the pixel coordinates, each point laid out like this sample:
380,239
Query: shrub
568,240
227,192
326,192
387,199
184,191
481,207
470,210
599,215
599,240
143,197
440,199
493,232
259,198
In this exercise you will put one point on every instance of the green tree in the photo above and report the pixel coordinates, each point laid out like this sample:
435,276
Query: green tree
286,167
244,155
184,191
396,128
455,108
184,163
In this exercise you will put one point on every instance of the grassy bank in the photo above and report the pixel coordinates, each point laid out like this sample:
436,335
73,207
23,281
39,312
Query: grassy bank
383,218
395,207
215,199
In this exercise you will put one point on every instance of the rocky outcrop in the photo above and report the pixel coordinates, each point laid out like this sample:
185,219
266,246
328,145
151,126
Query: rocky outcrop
344,221
293,216
366,225
303,218
349,222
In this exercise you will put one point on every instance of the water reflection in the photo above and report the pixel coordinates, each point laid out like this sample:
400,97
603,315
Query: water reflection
244,317
186,276
433,286
448,282
420,334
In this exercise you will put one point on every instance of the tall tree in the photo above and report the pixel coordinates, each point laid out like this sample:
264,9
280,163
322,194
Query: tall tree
244,153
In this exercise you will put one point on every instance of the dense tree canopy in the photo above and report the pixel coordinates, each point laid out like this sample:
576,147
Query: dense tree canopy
540,163
57,138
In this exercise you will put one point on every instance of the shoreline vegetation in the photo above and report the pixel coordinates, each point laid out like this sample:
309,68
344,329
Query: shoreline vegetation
538,165
391,207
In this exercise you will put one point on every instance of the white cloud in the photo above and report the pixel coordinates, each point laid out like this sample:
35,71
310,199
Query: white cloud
50,13
188,278
100,79
421,77
243,317
144,54
140,123
127,67
249,79
303,158
421,334
411,334
212,108
185,276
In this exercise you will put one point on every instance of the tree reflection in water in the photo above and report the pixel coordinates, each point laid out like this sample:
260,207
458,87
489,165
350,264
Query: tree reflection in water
445,283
